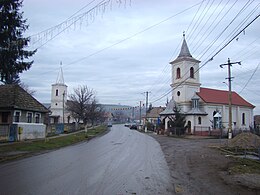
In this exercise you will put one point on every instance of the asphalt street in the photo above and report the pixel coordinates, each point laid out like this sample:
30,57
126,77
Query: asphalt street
123,161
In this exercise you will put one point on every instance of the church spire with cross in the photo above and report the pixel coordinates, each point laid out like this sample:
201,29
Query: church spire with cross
60,78
184,48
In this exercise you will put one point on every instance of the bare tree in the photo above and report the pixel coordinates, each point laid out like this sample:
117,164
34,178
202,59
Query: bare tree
26,87
95,112
78,103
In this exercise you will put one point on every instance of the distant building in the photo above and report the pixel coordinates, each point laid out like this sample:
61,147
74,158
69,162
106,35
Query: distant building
200,105
153,115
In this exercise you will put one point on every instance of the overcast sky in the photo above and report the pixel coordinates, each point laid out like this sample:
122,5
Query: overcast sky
123,48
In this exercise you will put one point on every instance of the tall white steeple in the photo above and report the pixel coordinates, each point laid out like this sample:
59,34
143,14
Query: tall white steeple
60,79
185,75
59,97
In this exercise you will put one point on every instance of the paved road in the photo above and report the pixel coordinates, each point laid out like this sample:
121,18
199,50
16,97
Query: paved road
122,161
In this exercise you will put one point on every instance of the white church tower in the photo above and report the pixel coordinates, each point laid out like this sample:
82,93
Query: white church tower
58,99
185,77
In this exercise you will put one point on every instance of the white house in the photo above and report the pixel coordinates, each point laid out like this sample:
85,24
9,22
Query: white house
200,105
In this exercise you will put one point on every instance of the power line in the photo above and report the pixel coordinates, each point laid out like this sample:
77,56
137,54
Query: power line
51,28
195,25
249,79
205,37
127,38
201,21
194,17
240,24
197,43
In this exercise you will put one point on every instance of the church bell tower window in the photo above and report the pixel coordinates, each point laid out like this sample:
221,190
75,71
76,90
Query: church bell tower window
178,73
57,92
191,72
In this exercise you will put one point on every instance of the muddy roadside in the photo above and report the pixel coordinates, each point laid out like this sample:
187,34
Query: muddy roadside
198,168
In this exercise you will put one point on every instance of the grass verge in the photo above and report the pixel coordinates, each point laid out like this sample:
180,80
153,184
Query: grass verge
28,148
243,165
240,165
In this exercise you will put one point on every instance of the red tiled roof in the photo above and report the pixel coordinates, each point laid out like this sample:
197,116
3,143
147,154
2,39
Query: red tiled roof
221,97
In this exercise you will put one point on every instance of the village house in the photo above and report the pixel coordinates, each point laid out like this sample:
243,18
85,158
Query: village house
204,108
153,116
21,115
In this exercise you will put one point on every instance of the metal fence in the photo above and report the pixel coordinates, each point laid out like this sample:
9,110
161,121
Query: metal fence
203,131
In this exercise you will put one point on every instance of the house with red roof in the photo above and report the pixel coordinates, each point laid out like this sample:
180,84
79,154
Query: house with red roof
205,109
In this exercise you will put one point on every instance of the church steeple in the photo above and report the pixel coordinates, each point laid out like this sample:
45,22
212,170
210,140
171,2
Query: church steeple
184,54
184,48
60,79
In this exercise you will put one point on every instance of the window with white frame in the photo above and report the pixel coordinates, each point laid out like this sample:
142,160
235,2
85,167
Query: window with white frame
37,117
17,115
29,117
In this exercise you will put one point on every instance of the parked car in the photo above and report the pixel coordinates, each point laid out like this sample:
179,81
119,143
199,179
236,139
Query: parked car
127,125
133,126
109,124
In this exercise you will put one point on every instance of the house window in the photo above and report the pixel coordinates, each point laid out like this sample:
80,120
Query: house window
57,92
199,120
37,117
178,93
5,117
29,117
243,119
191,72
178,73
17,115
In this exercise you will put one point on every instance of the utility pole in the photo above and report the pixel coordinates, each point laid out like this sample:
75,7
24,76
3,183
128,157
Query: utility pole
229,64
63,108
146,108
146,103
140,112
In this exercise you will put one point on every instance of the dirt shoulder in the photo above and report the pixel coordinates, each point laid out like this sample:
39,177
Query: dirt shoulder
198,168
